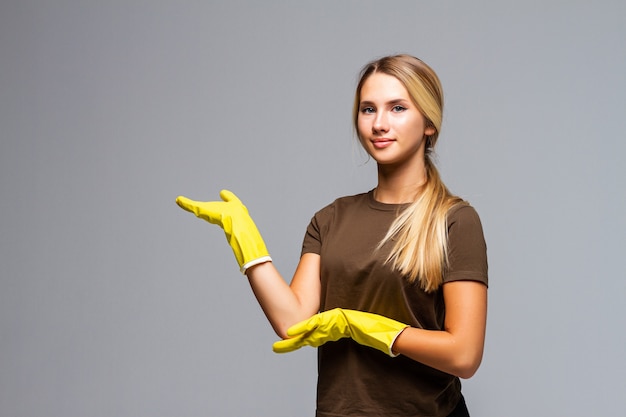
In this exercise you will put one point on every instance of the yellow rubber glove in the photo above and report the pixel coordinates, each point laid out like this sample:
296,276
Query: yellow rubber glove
365,328
232,216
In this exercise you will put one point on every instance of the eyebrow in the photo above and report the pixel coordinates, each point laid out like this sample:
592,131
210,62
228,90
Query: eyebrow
389,103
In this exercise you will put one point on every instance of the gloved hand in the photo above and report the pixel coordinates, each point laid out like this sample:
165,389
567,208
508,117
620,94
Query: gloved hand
365,328
232,216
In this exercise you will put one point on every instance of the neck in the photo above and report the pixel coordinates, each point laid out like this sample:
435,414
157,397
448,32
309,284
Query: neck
397,187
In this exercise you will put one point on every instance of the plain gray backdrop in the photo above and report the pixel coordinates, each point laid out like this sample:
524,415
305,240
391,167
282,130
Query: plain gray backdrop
115,302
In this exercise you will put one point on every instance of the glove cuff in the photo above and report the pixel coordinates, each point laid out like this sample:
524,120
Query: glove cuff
254,262
393,355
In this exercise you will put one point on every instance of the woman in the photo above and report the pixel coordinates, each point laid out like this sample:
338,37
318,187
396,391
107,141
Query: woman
391,284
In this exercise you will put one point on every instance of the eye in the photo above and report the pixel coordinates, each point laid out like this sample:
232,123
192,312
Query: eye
398,108
368,110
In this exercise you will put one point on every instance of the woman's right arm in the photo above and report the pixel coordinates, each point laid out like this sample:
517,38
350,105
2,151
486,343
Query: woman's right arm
287,304
284,305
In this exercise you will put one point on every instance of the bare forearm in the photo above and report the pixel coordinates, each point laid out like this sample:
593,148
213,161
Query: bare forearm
282,304
458,348
440,350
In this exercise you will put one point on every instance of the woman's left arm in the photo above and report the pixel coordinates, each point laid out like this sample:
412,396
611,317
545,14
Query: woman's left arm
458,348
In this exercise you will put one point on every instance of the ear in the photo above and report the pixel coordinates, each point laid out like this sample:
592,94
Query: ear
429,131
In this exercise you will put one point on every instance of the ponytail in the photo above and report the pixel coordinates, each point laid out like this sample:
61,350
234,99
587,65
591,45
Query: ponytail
420,233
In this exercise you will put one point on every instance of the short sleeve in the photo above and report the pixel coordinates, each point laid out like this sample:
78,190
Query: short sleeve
312,240
467,250
317,229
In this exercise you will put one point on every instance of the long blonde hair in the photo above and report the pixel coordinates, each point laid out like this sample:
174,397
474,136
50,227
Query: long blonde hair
420,233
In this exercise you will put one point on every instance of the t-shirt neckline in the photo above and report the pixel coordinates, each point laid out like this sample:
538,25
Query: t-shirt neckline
375,204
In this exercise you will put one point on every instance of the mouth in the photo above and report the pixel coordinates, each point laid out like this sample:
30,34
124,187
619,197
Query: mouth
381,143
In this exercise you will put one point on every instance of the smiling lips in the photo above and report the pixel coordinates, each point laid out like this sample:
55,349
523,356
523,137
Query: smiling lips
382,143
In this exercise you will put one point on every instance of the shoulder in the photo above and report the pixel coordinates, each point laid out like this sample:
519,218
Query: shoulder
342,203
465,231
324,220
462,212
340,208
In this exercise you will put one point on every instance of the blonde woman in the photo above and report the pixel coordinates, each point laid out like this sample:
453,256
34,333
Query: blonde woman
392,284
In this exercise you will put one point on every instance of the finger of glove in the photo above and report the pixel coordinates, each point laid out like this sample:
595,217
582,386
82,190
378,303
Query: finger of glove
305,326
185,203
287,345
212,211
205,210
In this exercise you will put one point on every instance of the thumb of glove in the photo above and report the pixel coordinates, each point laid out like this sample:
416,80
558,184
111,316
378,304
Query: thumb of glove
230,197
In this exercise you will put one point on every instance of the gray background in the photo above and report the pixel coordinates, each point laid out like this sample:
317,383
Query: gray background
114,302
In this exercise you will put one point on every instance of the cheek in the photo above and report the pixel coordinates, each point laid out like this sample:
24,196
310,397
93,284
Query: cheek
362,133
361,127
415,125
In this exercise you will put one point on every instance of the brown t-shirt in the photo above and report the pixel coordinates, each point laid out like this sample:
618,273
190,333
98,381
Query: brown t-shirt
355,380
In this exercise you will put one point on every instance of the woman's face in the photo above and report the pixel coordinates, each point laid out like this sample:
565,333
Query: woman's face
391,128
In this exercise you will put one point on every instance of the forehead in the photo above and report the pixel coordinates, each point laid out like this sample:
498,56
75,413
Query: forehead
383,87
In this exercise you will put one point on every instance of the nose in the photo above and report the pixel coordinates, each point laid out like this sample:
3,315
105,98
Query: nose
380,123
